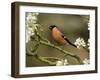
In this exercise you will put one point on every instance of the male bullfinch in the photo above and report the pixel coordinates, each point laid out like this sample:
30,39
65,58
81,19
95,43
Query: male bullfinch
58,36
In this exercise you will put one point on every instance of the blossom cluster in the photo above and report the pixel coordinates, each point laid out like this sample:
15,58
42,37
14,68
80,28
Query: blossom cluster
80,42
31,23
62,62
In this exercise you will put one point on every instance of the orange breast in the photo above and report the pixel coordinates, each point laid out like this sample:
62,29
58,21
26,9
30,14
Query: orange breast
57,36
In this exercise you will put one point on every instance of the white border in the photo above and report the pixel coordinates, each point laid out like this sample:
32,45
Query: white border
48,69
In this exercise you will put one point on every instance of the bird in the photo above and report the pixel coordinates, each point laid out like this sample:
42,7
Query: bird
59,37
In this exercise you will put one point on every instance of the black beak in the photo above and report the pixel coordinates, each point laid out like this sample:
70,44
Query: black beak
52,26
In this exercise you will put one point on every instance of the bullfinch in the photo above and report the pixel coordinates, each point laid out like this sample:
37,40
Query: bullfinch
59,37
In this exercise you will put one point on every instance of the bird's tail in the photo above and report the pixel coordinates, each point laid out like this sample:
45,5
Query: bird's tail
70,43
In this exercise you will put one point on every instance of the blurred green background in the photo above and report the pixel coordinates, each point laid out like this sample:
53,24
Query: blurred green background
72,26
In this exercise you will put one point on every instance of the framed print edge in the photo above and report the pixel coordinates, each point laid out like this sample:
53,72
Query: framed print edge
96,39
15,32
14,40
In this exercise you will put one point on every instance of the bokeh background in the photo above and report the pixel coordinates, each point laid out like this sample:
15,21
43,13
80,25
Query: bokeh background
72,26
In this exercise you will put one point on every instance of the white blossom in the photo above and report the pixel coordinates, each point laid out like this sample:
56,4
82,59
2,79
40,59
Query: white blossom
88,44
86,61
66,62
59,63
80,42
62,62
89,25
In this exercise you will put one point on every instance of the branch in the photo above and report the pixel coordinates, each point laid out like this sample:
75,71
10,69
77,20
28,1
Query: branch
46,42
64,51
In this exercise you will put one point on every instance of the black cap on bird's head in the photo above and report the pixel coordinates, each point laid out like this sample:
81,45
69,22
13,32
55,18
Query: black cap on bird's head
52,26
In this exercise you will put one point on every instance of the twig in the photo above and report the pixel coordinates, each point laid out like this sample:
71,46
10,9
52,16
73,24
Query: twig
45,59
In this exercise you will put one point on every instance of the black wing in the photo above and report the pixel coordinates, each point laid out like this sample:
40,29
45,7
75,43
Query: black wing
68,40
